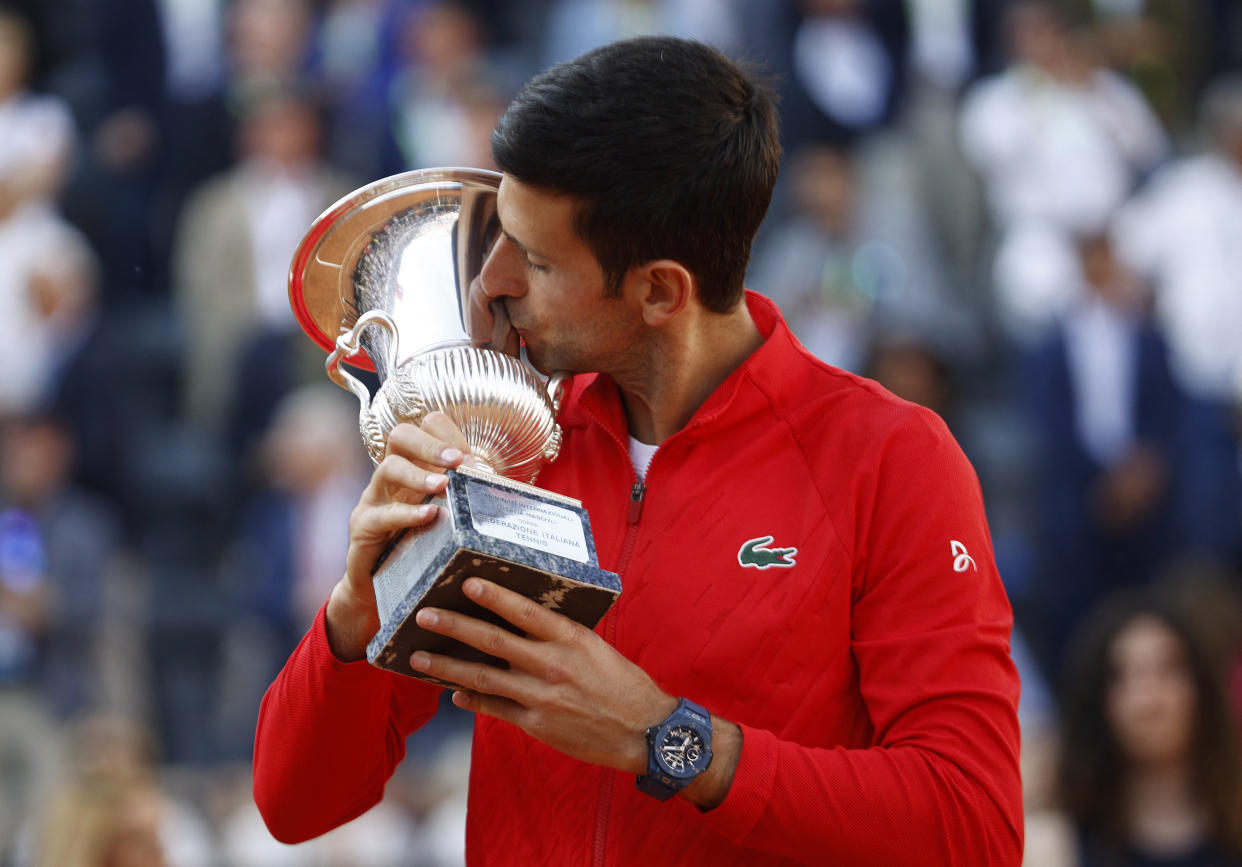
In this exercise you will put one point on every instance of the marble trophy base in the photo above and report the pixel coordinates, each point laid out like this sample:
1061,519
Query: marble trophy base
522,537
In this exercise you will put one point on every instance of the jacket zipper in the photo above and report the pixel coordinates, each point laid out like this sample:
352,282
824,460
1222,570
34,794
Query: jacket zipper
636,512
603,804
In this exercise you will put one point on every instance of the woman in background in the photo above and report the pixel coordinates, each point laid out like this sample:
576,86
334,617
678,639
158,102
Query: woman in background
1151,767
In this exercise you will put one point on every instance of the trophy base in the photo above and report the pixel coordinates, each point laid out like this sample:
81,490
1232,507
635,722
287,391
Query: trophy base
522,537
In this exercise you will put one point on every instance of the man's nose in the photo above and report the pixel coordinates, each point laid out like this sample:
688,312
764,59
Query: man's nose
503,272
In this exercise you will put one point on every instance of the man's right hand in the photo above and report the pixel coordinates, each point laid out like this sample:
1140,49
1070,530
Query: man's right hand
413,467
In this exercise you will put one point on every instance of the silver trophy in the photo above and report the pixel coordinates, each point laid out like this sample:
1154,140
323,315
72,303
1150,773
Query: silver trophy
381,280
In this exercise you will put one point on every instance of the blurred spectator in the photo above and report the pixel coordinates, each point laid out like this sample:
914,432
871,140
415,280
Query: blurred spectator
576,26
37,139
847,261
118,95
951,42
356,46
421,821
37,135
1211,592
64,293
1038,720
290,546
1184,234
1184,231
1157,44
196,123
38,316
1059,143
61,543
442,792
1170,49
185,491
90,367
1056,137
145,79
445,99
384,836
56,548
30,747
194,46
313,459
914,371
109,823
112,812
1151,767
237,235
268,48
242,352
849,66
1103,409
841,65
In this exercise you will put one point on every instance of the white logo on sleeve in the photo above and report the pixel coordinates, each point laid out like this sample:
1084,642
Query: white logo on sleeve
961,559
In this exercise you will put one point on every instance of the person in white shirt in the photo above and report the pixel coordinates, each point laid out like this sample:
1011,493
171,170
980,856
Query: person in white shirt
1183,233
1059,144
37,141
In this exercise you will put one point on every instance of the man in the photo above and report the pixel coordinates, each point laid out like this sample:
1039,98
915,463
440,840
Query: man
805,558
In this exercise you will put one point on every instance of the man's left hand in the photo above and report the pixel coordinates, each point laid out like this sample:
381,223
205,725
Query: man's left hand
565,686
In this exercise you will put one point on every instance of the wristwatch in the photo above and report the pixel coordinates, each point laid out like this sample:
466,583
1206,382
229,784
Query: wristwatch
678,750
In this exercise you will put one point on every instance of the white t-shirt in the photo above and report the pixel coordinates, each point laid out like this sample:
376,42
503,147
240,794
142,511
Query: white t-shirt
640,455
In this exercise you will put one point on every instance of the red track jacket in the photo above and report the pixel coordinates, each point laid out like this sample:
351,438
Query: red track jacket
870,674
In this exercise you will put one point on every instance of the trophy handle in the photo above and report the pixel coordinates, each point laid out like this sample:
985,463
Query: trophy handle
556,392
375,417
556,389
350,343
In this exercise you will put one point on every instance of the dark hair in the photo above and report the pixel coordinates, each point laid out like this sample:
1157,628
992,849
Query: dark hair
1092,768
672,149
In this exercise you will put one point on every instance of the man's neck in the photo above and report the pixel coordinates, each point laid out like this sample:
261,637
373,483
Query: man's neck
686,365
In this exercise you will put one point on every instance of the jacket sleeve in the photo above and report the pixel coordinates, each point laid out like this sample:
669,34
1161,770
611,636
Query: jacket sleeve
330,734
930,623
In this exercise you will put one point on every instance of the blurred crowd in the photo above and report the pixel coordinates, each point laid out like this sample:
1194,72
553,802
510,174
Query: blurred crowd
1024,215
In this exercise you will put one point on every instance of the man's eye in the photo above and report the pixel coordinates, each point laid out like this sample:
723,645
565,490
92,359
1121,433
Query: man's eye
533,267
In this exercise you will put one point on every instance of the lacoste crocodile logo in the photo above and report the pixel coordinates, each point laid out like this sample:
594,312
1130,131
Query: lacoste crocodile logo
755,553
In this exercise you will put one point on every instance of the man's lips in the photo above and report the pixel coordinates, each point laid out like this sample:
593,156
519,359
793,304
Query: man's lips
514,325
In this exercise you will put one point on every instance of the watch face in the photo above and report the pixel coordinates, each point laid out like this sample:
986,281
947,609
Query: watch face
681,750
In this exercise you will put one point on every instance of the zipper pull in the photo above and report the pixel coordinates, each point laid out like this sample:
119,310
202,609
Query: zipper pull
636,501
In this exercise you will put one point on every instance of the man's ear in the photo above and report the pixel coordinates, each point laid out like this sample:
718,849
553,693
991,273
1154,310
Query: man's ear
665,288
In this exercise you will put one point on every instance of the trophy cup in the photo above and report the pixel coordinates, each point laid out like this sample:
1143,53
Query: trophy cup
381,280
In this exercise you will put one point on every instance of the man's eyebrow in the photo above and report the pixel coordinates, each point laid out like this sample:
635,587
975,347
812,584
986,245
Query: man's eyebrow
527,251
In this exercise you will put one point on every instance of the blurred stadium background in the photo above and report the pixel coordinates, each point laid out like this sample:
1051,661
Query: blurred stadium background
1025,215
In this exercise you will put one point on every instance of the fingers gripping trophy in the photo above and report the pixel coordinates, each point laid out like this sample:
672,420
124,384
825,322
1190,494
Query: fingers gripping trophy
382,282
